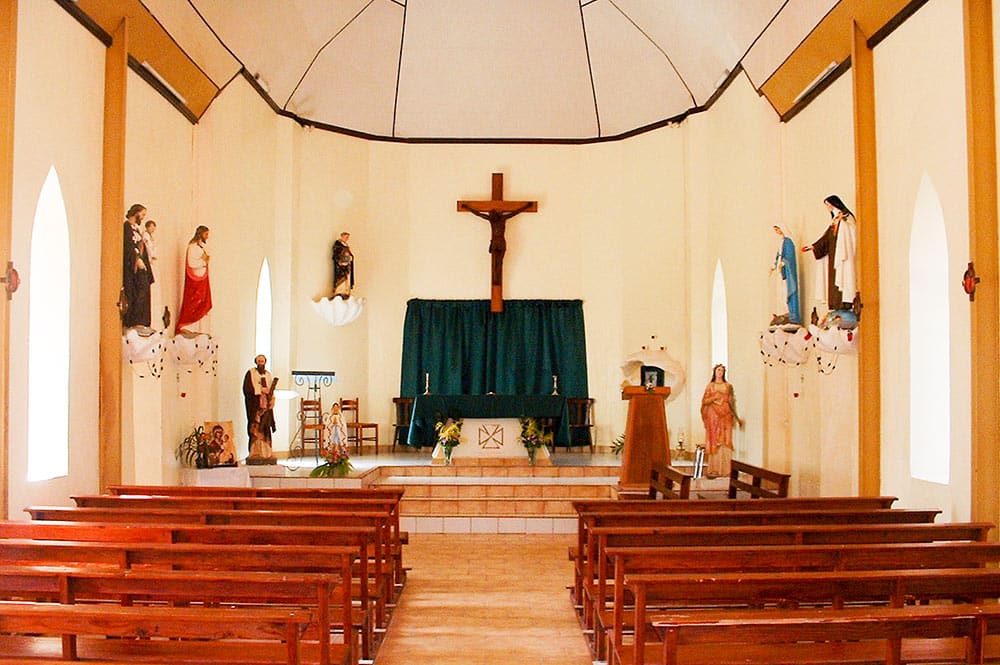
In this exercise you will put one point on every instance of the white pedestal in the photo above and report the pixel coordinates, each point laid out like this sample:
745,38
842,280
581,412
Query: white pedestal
222,476
490,439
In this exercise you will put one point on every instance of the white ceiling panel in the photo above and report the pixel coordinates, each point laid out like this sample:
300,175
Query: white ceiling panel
352,82
489,69
485,69
180,19
792,25
636,84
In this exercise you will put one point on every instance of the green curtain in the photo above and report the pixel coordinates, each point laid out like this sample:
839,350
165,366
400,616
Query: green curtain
467,350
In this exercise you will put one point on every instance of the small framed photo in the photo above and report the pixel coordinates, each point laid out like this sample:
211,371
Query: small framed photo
652,377
221,444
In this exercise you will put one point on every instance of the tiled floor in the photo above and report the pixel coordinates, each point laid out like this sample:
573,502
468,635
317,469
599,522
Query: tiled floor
485,599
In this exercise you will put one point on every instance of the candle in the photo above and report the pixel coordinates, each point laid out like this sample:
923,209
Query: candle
427,383
555,384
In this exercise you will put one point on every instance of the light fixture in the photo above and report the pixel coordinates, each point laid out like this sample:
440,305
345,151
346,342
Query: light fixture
815,82
155,74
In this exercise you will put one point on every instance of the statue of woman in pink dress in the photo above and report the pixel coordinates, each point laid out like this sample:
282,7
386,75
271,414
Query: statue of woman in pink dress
718,412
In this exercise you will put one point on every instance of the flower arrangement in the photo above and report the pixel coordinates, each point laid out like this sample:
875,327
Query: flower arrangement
197,449
449,435
338,462
533,435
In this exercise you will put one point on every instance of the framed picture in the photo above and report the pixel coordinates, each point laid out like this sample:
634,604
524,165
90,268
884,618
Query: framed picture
652,376
221,444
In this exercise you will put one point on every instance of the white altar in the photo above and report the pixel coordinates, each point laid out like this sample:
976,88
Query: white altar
491,439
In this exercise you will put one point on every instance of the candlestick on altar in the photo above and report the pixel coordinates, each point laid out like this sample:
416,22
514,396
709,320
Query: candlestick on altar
427,383
555,384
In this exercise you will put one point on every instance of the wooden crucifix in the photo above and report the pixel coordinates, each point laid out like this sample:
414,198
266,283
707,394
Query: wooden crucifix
497,211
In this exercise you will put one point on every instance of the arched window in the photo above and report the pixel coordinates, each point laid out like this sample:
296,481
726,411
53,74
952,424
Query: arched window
262,330
930,340
48,336
720,318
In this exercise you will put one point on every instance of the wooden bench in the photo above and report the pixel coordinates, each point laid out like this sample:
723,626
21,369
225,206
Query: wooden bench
204,547
875,556
832,589
590,521
939,634
316,592
258,527
662,482
333,505
758,482
219,632
792,534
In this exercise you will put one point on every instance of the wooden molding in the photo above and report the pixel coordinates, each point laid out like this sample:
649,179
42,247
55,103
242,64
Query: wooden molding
112,219
8,67
985,309
866,196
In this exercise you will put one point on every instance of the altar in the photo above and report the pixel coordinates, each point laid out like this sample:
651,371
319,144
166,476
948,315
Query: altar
490,439
428,410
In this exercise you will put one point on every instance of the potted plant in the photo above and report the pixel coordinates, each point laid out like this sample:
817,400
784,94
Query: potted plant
338,462
533,437
449,435
194,449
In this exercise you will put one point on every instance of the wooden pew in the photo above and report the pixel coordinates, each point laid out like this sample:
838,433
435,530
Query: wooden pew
835,637
875,556
219,632
335,505
590,521
289,526
833,589
758,482
664,478
578,553
89,584
792,534
203,547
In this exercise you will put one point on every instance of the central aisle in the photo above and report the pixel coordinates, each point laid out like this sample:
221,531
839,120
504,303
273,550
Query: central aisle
485,599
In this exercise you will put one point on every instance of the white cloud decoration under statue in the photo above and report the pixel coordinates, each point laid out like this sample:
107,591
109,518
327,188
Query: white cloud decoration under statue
787,347
144,345
674,374
196,350
337,311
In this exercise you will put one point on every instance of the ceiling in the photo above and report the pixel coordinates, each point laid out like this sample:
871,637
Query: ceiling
488,69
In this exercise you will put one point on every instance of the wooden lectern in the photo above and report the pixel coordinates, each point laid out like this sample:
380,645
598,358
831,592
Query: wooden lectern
645,437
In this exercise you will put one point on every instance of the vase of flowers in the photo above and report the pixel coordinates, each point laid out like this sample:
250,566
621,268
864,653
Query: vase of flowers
337,462
449,435
533,437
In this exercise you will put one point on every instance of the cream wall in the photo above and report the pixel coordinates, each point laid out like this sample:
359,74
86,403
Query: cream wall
733,196
921,132
159,167
58,105
812,418
634,228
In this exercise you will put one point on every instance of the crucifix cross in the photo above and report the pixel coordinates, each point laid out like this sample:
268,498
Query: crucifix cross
497,211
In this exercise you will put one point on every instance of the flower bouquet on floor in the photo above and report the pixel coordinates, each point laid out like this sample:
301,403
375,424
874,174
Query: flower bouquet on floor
533,437
449,435
338,462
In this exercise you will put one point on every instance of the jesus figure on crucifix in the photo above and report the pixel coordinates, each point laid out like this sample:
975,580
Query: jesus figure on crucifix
498,240
497,211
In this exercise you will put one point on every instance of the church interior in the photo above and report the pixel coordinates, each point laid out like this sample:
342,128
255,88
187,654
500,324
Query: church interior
646,164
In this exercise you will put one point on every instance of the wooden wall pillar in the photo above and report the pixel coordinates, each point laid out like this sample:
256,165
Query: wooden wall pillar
982,146
8,68
112,220
866,193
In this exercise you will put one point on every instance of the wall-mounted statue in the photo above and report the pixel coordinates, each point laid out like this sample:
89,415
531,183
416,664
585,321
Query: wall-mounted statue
197,299
837,246
343,267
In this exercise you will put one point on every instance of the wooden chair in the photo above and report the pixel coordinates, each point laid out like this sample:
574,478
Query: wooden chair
355,428
581,421
313,429
401,428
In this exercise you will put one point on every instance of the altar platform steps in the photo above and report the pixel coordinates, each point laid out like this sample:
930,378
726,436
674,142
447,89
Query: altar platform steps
500,497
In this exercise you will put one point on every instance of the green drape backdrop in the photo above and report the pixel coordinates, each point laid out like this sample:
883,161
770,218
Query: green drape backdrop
466,350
